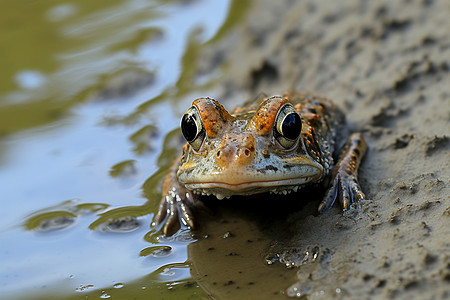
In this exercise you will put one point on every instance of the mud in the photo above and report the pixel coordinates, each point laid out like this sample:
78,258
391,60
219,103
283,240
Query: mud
387,65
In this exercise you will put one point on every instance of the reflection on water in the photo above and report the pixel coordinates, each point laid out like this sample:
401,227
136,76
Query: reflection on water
90,98
61,215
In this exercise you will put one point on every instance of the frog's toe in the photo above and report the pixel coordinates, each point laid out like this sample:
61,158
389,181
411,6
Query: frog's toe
187,217
344,187
173,210
162,212
168,214
350,192
330,196
345,195
179,213
172,224
357,191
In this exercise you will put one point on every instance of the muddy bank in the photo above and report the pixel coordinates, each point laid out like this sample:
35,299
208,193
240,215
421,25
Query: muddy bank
387,65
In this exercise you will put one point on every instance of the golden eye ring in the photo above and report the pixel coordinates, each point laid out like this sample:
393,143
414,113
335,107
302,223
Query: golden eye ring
192,128
288,126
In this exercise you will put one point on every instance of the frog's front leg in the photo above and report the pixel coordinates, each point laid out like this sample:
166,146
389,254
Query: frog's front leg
344,176
175,206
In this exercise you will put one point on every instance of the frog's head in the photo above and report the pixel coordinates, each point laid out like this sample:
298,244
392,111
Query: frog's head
252,152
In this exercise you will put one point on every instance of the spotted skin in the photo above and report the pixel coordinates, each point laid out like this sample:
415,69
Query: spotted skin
245,153
214,115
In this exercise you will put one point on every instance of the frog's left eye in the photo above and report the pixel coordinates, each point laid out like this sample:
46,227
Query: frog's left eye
288,126
192,128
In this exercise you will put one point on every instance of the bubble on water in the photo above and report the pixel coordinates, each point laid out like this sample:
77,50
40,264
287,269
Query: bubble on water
156,251
121,224
295,257
118,285
82,288
168,272
299,289
60,12
56,223
30,79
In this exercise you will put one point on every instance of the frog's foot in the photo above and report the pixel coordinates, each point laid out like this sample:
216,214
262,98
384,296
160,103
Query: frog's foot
174,207
344,175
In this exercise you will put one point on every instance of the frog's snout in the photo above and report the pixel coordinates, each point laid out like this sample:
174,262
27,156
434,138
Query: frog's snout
236,149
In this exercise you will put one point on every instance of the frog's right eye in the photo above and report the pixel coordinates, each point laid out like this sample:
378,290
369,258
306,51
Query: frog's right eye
192,128
288,126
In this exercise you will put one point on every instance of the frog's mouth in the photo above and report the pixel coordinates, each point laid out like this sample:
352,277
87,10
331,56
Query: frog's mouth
281,176
225,190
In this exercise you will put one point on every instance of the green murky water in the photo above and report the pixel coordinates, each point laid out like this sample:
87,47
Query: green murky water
90,98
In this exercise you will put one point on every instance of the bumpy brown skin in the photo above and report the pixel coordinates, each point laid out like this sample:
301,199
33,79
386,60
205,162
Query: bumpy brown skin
214,115
323,127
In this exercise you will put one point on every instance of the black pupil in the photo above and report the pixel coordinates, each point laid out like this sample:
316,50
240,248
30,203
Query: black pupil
189,127
291,127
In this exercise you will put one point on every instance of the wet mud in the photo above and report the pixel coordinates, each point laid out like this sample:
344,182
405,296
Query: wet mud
386,64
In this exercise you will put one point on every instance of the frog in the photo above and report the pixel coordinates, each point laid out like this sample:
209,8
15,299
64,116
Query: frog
278,144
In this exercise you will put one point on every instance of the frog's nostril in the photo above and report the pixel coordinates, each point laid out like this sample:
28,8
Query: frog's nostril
218,153
243,152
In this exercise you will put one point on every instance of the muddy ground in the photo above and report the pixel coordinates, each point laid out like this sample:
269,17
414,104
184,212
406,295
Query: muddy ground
386,64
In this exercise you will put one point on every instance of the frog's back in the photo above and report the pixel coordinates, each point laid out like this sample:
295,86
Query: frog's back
326,120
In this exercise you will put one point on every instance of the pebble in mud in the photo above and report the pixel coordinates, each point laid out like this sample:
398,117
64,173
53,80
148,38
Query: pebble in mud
436,143
156,251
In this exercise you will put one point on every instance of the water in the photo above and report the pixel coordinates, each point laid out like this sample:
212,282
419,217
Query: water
89,93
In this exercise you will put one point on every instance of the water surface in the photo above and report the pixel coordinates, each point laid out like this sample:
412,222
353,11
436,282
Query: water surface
91,95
